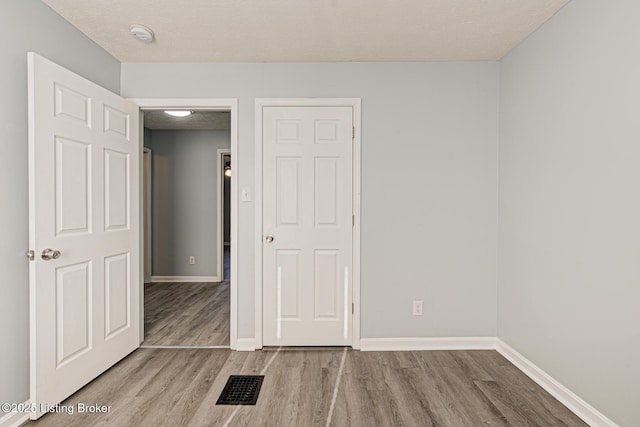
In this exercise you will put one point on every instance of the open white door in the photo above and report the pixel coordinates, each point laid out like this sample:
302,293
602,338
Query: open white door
84,230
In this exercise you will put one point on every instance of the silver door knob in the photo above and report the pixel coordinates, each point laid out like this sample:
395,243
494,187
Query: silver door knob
49,254
269,238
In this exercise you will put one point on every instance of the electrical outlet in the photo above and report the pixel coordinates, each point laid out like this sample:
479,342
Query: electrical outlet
417,308
192,260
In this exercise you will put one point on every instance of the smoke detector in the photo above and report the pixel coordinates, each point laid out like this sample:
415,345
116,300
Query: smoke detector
142,33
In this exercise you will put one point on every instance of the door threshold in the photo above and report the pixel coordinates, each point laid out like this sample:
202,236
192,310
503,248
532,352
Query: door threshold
307,348
187,347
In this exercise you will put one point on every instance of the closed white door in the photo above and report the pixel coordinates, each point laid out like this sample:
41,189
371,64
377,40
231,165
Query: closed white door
307,224
84,206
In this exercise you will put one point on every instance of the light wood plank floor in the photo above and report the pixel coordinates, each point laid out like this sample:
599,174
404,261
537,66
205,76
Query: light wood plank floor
186,313
168,387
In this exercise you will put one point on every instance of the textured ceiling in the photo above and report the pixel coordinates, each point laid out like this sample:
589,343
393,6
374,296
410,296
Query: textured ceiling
309,30
199,120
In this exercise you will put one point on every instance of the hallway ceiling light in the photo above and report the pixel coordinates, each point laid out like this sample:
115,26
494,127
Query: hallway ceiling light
227,171
178,113
142,33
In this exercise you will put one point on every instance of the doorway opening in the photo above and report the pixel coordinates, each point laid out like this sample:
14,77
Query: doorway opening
187,297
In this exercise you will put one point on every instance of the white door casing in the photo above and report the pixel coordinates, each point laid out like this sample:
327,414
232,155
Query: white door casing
84,201
307,215
212,104
146,181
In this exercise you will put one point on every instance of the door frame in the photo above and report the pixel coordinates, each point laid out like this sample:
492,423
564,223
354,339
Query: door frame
355,104
220,217
213,104
147,176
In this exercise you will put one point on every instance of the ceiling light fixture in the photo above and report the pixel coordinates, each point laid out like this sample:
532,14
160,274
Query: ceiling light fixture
142,33
178,113
227,171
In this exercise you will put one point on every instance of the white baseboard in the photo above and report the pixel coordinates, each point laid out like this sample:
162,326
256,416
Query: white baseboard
13,419
418,344
573,402
184,279
245,344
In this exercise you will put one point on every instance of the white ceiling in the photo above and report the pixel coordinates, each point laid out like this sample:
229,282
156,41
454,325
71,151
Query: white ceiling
309,30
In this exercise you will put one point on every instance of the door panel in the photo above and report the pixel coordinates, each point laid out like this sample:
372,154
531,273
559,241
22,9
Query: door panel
84,301
307,208
74,314
72,104
288,262
288,191
116,180
73,187
327,183
326,283
117,294
116,122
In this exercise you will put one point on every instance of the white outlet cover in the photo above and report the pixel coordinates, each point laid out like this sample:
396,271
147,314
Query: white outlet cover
417,308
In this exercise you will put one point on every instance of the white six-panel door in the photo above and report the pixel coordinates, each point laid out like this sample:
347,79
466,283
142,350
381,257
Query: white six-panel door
307,224
84,206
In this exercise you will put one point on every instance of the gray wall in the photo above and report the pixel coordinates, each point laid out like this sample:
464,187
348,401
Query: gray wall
569,231
185,185
569,275
429,225
28,25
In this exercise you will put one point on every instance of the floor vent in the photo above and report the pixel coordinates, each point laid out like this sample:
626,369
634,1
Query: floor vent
241,390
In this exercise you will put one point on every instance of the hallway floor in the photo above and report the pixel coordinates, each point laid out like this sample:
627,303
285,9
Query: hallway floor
193,314
188,314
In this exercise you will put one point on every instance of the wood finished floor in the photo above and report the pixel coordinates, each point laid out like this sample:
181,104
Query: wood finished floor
169,387
186,314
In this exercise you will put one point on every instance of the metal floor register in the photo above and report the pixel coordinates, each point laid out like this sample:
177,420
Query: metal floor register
241,390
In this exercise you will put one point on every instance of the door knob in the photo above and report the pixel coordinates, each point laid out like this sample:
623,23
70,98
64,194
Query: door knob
269,238
49,254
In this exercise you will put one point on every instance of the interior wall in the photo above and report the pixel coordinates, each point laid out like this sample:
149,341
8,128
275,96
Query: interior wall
568,250
569,245
185,206
28,25
429,223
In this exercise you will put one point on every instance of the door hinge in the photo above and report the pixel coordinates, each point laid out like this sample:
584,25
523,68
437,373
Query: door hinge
31,255
353,308
353,132
353,220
